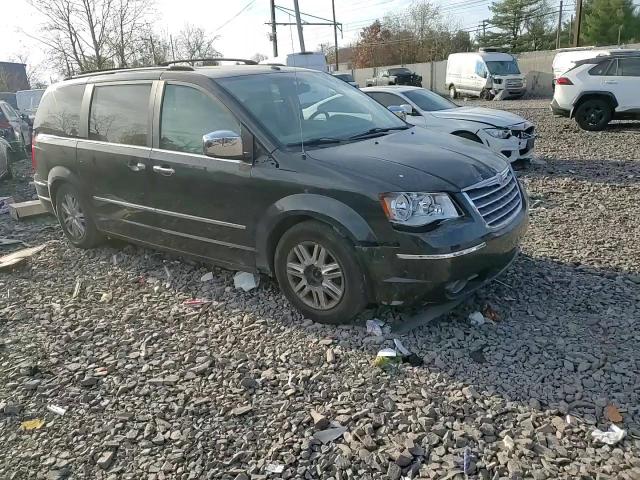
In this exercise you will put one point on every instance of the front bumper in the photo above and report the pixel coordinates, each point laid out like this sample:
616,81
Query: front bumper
410,81
399,277
558,110
514,148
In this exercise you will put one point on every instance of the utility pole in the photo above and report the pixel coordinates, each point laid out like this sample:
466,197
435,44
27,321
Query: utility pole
299,24
559,26
578,25
274,38
484,29
335,31
619,34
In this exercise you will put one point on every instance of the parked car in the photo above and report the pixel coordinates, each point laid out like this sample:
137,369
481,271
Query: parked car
28,101
10,98
598,90
5,155
311,60
503,132
345,205
16,130
395,76
346,77
484,74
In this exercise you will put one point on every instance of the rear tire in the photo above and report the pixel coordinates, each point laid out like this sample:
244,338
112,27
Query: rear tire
318,272
593,115
453,93
74,215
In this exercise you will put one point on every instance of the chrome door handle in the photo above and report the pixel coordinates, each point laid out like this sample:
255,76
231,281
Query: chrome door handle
136,166
610,82
166,171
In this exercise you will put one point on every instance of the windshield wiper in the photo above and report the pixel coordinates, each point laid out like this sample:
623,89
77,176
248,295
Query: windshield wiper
377,132
317,141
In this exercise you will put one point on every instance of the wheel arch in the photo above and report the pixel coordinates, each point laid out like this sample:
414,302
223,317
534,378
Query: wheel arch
58,176
591,95
297,208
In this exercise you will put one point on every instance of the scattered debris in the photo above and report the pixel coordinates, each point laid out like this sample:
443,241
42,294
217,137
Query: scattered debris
407,356
56,409
612,436
387,357
466,461
246,281
238,411
508,443
196,302
32,424
320,422
612,414
106,459
476,319
26,209
10,241
274,468
4,204
489,313
374,327
18,257
207,277
478,356
331,355
76,290
106,297
330,434
400,347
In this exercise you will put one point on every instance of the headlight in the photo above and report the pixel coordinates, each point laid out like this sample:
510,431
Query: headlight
502,133
417,209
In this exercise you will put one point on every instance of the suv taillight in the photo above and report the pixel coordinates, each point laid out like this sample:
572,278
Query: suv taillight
34,164
563,81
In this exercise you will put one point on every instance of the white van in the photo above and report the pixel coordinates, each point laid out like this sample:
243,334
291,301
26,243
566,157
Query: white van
566,58
484,74
311,60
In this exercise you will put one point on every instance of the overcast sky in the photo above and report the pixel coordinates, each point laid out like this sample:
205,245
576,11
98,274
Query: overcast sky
245,34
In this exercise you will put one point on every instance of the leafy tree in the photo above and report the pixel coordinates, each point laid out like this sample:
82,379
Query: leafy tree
518,23
605,19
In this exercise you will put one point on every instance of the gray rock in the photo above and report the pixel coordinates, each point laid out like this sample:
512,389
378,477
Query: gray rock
106,459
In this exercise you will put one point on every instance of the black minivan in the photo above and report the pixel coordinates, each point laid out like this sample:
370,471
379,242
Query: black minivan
284,171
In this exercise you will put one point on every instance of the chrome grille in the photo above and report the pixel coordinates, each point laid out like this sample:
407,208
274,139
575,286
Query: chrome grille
513,83
497,199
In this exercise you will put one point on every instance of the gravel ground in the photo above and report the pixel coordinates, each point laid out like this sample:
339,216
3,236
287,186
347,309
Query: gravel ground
156,389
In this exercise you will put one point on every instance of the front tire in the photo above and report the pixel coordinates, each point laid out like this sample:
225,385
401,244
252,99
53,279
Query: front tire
75,218
318,272
593,115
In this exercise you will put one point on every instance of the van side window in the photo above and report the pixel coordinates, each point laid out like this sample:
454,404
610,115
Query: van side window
480,69
187,115
59,111
119,114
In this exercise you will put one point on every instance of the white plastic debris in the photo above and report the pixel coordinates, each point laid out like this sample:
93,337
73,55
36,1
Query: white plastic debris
612,436
207,277
374,327
246,281
56,409
274,468
508,443
106,297
387,352
476,319
401,348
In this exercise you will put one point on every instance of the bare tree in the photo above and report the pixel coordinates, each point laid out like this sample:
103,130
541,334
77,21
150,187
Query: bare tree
258,57
34,71
195,42
131,31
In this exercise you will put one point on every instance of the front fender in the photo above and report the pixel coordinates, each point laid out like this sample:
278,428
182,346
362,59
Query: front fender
325,209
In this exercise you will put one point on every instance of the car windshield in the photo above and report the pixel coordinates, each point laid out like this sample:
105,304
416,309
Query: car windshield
344,76
429,101
398,71
503,67
309,107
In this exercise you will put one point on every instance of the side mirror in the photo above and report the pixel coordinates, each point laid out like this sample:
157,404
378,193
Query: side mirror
408,109
222,144
398,111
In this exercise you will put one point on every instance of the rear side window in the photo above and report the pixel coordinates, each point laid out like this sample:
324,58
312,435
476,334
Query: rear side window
629,67
386,99
607,68
187,115
119,114
59,111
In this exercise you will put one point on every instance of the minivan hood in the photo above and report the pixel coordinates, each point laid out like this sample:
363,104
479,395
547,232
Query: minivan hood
404,158
496,118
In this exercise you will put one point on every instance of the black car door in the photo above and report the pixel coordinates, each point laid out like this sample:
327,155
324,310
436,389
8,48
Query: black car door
113,160
203,203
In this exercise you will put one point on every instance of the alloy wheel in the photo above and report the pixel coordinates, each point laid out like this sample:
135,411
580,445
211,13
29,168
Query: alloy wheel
315,275
73,217
594,115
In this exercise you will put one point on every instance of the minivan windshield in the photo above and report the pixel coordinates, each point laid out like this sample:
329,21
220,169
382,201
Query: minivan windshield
429,101
503,67
310,108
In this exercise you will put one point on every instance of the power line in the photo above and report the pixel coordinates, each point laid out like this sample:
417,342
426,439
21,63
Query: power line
236,15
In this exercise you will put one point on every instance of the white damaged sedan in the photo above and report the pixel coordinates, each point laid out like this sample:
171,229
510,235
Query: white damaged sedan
503,132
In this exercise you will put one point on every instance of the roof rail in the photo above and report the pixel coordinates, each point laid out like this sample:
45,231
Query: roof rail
105,71
211,59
